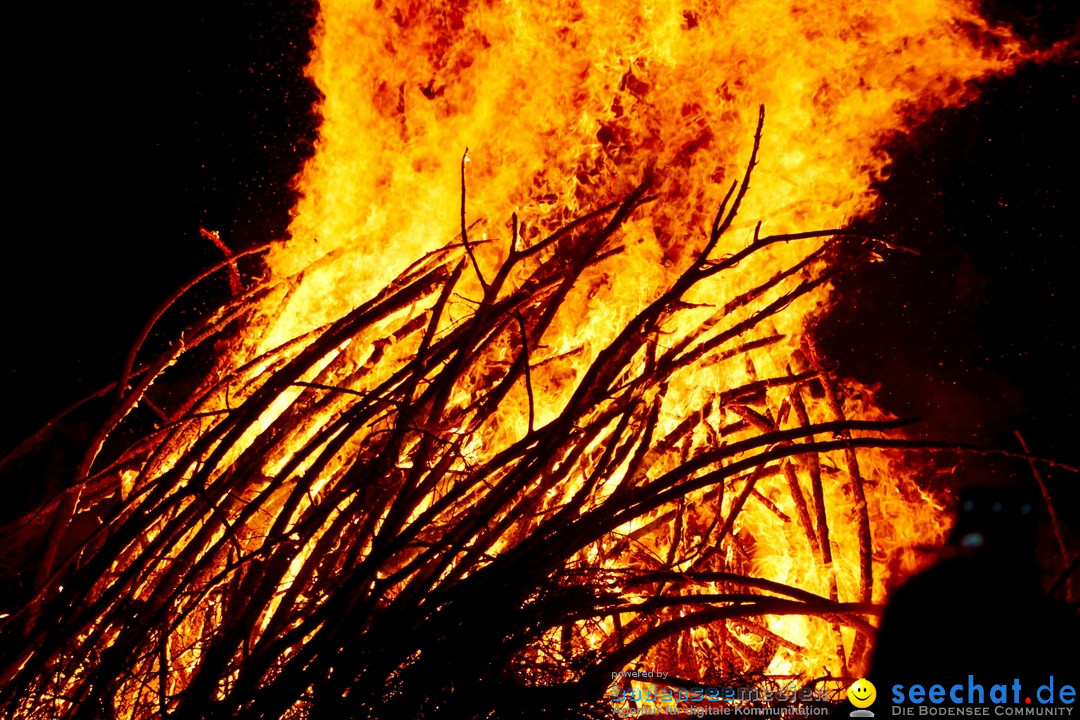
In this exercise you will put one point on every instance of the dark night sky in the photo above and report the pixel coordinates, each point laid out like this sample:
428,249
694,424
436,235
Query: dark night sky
979,331
140,127
144,124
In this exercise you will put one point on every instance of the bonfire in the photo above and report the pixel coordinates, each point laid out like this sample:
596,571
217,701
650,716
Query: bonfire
454,456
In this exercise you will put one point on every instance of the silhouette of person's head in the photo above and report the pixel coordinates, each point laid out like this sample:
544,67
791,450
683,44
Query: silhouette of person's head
979,610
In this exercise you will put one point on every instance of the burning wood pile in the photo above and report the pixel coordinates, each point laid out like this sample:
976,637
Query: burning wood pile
390,517
596,437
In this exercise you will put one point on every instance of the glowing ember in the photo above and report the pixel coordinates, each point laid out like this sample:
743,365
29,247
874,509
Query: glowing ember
547,449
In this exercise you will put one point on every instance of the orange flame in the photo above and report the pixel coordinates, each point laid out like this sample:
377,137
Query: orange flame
564,105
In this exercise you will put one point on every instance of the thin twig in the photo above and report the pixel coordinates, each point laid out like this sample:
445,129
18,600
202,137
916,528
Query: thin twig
464,225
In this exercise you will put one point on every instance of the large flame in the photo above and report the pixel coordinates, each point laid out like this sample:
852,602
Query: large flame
563,105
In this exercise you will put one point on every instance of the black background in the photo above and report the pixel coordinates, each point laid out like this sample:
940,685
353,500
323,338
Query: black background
136,126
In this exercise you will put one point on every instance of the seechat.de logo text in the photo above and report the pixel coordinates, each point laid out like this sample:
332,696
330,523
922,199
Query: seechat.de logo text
972,698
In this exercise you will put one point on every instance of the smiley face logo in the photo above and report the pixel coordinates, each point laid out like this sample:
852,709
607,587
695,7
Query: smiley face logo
862,693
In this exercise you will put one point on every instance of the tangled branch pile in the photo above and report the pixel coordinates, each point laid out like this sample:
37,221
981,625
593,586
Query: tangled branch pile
364,523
